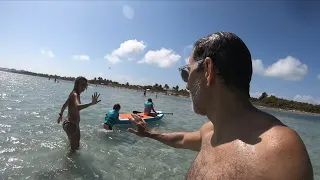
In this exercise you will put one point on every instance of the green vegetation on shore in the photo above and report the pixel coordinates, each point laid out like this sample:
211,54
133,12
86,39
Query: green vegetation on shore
264,100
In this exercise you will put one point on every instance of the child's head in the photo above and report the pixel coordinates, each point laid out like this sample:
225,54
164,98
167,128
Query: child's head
80,84
117,107
149,100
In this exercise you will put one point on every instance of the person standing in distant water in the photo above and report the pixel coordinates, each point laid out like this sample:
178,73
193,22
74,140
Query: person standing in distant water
71,123
148,107
144,93
111,117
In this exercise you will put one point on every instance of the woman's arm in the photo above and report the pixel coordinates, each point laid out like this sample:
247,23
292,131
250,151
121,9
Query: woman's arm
83,106
64,106
76,103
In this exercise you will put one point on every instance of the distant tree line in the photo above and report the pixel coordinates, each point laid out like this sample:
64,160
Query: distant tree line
275,102
154,88
264,100
37,74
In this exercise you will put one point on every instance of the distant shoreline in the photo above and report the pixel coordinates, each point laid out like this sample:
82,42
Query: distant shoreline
291,111
278,109
264,101
256,105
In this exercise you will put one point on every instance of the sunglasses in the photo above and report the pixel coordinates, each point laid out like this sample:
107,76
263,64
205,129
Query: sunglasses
185,70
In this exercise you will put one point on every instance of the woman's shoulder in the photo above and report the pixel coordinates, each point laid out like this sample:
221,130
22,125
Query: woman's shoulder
73,94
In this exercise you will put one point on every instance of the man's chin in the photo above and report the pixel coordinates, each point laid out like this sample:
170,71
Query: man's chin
198,111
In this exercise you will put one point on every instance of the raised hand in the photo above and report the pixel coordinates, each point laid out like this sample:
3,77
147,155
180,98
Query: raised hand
142,128
95,97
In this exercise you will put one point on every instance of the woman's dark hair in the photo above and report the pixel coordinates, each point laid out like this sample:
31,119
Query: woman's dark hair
149,100
116,107
77,81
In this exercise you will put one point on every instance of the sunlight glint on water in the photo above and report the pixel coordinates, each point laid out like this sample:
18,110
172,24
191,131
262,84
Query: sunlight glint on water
34,146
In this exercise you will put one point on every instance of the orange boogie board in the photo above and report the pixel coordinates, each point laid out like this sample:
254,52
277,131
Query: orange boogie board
124,118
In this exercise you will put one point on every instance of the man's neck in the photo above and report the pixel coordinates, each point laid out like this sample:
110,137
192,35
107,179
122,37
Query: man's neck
229,114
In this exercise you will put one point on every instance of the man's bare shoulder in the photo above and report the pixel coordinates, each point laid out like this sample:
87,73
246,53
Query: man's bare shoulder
286,154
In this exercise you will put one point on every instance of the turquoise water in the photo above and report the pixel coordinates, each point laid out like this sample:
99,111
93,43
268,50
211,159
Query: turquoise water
34,146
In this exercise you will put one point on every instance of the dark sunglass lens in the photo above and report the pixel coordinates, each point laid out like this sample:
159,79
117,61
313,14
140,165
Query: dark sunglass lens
184,75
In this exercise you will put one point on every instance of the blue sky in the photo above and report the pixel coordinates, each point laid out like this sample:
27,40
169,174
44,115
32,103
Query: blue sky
145,42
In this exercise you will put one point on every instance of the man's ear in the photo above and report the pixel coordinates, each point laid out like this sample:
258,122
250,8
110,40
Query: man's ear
208,70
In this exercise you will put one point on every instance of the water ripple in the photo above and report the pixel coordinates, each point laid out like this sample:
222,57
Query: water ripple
34,146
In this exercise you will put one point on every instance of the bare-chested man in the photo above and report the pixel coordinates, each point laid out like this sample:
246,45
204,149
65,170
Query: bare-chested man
239,141
71,123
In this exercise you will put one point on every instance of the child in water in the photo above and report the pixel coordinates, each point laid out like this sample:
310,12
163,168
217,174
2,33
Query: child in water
111,117
71,122
149,107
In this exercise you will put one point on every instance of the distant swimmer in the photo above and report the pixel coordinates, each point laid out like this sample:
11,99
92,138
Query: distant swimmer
148,108
71,122
111,117
238,141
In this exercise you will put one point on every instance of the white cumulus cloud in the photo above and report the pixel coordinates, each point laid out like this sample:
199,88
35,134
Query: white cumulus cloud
306,99
81,57
255,94
128,49
112,59
288,68
163,58
257,67
128,12
47,53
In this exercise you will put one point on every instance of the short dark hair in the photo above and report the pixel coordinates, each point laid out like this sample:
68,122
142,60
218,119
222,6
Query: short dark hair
116,107
231,56
149,100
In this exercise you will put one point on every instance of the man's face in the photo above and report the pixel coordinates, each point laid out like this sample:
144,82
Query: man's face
197,86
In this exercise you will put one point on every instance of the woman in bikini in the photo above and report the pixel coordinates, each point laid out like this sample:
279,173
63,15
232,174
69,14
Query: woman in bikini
71,122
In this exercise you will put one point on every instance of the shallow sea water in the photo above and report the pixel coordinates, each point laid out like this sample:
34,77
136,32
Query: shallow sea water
34,146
